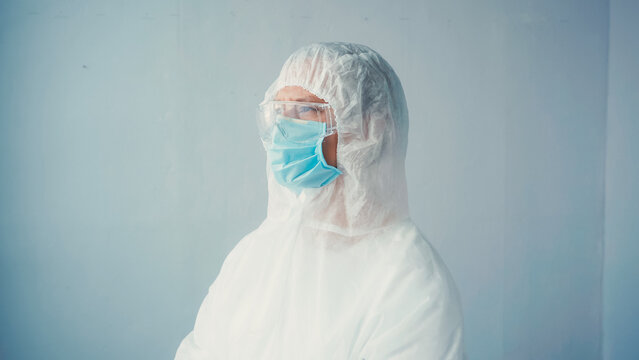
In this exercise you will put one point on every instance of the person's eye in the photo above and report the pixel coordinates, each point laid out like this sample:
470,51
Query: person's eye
307,109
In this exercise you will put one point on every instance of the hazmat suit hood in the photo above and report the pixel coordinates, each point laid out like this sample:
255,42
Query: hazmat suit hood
372,125
340,271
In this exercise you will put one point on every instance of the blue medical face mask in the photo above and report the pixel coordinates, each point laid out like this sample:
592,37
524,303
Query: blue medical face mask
296,157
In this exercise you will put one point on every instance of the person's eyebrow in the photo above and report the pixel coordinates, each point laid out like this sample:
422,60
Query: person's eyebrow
310,99
307,98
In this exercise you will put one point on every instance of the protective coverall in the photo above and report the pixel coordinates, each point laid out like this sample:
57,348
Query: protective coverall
341,271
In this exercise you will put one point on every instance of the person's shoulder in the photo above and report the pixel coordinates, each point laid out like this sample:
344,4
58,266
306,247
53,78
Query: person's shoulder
406,246
242,247
417,305
415,271
237,255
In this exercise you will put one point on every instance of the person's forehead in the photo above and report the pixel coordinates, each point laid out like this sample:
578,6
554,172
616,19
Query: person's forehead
297,93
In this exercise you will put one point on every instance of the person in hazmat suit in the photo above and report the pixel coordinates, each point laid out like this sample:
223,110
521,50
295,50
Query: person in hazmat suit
337,270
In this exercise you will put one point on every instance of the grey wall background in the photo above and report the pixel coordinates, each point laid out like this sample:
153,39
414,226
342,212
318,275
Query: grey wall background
130,164
621,270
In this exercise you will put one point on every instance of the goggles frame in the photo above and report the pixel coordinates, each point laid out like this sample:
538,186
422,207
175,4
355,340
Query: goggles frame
268,112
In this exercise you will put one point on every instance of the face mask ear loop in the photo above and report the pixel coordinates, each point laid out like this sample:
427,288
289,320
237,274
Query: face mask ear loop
319,152
339,139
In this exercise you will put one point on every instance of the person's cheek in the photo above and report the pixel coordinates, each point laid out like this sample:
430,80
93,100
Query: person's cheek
329,150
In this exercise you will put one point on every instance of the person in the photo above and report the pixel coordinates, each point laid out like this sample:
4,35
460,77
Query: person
337,270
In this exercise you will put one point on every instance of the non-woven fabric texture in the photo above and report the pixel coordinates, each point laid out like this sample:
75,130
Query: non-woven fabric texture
341,271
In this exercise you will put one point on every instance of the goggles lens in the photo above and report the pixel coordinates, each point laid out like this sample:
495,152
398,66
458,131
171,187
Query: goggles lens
269,112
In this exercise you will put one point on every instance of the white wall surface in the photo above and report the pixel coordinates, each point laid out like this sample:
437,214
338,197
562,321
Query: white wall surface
130,163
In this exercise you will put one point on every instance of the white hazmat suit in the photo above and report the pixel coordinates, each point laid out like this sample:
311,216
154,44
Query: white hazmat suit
341,271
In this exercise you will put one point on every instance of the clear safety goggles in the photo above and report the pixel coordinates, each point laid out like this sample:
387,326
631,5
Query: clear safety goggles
269,113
